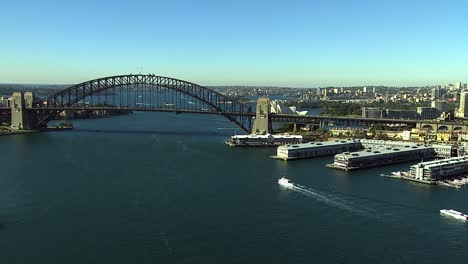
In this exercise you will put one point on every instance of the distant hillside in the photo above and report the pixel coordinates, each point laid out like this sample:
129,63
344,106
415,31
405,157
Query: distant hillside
39,89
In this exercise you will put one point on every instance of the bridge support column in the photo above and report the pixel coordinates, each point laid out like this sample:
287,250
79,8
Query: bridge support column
21,119
262,123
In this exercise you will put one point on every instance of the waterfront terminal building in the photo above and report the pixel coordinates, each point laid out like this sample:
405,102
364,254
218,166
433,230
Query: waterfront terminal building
329,148
316,149
440,169
381,156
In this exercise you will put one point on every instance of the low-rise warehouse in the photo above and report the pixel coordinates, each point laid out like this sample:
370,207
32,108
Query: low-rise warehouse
316,149
381,156
376,143
440,169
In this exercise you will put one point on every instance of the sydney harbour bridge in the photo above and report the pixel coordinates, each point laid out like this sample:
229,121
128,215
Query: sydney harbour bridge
148,92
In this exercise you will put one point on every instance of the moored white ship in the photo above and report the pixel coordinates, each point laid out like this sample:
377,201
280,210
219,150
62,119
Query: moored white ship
454,214
285,182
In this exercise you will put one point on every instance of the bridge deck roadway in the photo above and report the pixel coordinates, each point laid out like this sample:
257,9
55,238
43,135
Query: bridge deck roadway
277,117
273,116
137,109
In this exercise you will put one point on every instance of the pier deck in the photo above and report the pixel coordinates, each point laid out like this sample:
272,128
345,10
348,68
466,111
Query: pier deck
439,182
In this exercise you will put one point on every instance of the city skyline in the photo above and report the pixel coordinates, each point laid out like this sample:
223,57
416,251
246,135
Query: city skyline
294,44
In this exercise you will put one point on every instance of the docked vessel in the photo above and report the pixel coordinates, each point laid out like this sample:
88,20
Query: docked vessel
399,173
454,214
285,182
263,140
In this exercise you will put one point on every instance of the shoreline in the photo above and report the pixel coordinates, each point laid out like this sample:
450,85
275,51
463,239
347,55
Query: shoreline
20,132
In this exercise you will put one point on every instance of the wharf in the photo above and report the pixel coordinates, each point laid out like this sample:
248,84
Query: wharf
333,166
454,182
283,158
408,178
447,183
443,183
57,128
20,132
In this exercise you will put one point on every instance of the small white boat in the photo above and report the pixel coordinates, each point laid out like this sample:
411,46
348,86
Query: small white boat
398,173
286,182
454,214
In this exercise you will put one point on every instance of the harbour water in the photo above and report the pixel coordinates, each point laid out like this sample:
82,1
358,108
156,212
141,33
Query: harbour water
164,188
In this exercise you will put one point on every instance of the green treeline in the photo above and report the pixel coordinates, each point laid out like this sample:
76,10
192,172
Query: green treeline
338,108
343,109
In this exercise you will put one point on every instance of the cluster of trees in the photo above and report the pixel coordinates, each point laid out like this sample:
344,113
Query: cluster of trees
377,127
337,108
343,109
340,109
8,89
398,105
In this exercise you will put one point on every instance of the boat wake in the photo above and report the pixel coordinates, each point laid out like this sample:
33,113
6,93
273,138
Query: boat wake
335,201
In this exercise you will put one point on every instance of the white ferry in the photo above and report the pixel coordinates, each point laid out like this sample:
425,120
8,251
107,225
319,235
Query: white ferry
285,182
454,214
263,140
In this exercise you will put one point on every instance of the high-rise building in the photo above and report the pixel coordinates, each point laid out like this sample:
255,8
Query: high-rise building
463,108
458,85
442,92
435,93
325,92
439,105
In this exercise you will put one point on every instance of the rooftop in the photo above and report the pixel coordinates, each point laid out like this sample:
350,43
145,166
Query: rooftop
384,150
437,163
319,144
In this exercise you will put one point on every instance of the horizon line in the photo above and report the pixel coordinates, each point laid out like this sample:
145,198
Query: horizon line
244,85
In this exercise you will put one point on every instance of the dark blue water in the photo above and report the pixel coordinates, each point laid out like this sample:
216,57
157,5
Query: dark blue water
163,188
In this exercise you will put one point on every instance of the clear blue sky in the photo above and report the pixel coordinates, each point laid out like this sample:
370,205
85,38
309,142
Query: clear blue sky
243,42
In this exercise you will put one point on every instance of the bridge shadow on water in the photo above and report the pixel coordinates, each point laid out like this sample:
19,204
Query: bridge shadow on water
220,132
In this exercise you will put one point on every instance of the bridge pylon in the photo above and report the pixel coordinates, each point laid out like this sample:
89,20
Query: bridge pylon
262,123
21,118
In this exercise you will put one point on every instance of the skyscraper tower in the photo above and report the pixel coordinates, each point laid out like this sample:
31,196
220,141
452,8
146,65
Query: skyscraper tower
463,108
435,93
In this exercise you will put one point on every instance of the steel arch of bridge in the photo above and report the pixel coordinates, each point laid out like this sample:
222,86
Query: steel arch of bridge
69,98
